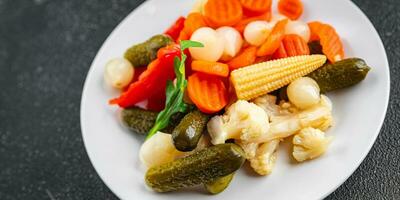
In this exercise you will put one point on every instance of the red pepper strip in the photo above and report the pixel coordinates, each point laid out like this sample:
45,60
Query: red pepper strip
176,28
153,80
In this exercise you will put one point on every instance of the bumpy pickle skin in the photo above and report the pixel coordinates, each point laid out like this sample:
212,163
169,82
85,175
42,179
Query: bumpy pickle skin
342,74
140,121
142,54
201,167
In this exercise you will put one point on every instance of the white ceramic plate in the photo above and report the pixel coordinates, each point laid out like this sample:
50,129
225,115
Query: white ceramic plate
359,113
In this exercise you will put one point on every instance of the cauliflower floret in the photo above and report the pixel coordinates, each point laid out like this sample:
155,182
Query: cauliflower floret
280,128
242,121
250,149
158,150
309,144
265,158
268,104
319,116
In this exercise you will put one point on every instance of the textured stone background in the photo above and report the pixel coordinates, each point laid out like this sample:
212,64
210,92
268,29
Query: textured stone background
46,48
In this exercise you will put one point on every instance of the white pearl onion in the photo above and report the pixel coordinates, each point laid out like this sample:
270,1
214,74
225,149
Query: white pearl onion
257,32
232,41
298,28
119,72
213,45
304,92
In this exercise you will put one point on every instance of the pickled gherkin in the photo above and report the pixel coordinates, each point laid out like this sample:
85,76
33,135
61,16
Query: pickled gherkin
187,134
341,74
141,121
142,54
218,185
201,167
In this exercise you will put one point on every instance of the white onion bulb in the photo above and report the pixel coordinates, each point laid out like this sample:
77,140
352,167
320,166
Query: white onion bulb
119,72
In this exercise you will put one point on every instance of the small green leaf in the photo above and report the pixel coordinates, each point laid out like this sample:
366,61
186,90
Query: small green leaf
174,93
188,43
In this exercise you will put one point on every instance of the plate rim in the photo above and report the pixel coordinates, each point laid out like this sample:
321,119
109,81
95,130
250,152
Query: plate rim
328,192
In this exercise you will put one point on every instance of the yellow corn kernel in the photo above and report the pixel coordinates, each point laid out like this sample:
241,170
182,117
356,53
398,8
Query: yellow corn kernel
259,79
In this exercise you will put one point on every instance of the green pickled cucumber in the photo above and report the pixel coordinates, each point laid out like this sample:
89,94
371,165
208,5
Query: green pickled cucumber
142,54
201,167
341,74
188,133
315,47
219,185
141,121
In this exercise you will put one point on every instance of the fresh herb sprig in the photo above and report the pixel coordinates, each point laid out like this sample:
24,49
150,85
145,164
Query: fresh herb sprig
174,93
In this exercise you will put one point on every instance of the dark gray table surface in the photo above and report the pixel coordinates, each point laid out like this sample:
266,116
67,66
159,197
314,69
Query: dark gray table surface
46,48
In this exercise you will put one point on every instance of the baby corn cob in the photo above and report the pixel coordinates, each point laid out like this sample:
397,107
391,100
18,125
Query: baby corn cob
259,79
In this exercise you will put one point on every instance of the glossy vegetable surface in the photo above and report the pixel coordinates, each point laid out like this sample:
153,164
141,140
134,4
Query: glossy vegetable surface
219,185
342,74
201,167
189,131
208,93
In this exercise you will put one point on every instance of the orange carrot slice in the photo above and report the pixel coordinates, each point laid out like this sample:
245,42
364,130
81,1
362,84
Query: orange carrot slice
330,41
292,45
291,8
212,68
256,7
274,39
314,28
245,58
207,92
245,21
223,12
193,22
280,52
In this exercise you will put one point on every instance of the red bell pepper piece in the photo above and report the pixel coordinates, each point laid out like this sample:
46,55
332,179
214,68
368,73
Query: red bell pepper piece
152,81
176,28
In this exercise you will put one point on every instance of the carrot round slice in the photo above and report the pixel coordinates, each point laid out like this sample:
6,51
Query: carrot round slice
245,58
223,12
207,92
212,68
274,39
330,41
291,8
193,22
314,28
256,7
292,45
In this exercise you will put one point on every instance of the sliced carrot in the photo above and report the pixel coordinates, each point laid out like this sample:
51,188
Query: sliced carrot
280,52
241,25
223,12
314,28
274,39
245,58
193,22
207,92
256,7
212,68
262,59
292,45
291,8
330,41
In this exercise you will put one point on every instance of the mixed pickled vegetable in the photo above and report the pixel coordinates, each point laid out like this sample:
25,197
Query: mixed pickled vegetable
227,84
